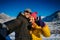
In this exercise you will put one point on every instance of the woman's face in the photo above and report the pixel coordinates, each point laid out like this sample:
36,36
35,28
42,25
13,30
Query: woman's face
31,19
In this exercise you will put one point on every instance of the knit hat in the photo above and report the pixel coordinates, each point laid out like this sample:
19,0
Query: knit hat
34,14
27,10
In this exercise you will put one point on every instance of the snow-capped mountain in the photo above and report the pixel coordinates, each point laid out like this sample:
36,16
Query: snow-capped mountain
4,17
53,17
42,17
53,22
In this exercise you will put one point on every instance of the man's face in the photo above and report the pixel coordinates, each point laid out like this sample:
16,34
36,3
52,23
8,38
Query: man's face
27,15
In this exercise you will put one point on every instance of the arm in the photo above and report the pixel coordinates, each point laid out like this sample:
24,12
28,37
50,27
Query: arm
36,26
46,31
44,28
13,25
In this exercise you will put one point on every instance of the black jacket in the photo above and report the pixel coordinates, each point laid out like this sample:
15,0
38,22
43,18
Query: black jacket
20,26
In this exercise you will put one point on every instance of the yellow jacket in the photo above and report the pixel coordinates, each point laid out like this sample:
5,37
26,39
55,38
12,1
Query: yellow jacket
37,31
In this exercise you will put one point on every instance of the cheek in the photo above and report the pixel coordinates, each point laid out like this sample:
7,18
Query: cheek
27,16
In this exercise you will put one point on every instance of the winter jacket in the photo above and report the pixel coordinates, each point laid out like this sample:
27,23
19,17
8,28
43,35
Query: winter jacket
37,31
19,25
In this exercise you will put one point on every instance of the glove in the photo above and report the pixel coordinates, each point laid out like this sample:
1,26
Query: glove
40,22
3,30
0,25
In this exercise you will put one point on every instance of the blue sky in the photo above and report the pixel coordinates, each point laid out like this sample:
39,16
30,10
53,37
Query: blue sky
43,7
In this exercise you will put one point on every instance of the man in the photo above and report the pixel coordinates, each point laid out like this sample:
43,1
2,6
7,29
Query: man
23,33
20,26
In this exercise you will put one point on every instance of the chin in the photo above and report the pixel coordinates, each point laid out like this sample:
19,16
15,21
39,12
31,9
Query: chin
27,17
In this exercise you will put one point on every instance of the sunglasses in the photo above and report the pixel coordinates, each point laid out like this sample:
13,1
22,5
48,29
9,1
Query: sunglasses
27,12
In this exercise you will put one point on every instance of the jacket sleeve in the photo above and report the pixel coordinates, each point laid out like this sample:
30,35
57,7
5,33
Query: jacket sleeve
46,31
36,26
13,25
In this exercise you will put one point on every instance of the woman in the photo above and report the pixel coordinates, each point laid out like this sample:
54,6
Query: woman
36,29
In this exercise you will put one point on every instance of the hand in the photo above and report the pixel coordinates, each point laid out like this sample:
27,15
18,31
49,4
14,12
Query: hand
40,22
